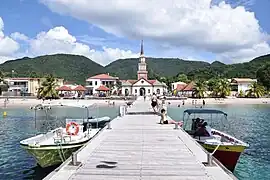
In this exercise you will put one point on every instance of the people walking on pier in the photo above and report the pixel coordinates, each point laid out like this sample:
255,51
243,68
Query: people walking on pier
154,102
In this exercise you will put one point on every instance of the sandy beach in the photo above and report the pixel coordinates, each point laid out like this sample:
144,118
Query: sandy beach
189,101
32,102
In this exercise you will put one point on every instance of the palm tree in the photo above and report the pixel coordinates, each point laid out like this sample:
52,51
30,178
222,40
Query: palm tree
255,90
200,88
222,88
241,93
47,89
3,83
118,85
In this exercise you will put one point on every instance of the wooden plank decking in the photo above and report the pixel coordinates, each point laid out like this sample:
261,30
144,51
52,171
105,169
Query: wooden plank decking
139,148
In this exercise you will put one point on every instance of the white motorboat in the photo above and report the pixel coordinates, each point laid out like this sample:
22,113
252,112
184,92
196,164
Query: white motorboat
55,146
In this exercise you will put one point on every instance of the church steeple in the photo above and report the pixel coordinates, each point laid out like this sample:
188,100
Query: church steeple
142,52
142,70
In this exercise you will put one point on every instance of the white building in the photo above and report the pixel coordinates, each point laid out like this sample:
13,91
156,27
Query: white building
241,84
100,80
142,86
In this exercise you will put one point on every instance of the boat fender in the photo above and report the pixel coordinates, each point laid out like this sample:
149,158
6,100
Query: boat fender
72,128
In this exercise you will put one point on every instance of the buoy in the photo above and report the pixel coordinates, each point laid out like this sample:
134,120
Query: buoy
4,113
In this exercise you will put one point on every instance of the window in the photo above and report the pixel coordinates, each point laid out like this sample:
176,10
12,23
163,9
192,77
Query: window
95,82
158,91
149,91
90,83
142,81
103,82
135,91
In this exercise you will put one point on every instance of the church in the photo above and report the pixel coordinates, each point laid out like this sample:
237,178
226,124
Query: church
142,85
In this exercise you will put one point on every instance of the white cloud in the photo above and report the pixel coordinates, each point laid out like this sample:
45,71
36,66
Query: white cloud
19,36
7,45
230,33
58,40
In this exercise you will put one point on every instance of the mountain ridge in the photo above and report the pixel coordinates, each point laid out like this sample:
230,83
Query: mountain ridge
77,68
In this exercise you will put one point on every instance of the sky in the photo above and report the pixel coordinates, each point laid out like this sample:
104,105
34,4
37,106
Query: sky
229,31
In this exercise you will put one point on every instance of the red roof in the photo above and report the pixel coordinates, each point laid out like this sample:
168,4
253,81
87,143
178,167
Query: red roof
79,88
132,81
103,76
189,87
180,87
27,78
102,88
64,88
149,81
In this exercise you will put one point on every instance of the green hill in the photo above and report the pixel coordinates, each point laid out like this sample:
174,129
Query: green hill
127,68
78,68
70,67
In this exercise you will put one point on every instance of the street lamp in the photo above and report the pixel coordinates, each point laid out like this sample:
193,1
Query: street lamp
12,71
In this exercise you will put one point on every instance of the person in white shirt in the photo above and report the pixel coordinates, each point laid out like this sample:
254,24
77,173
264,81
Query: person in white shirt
154,102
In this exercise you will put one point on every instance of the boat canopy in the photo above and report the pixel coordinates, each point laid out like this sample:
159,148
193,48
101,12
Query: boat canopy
204,111
68,104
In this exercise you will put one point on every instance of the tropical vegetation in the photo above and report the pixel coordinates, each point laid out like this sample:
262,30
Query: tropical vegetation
3,83
200,89
256,90
47,90
77,68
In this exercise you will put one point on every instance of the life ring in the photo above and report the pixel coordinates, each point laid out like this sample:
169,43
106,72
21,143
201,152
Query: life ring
72,128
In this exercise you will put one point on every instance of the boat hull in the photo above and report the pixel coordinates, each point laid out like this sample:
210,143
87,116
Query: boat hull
51,155
228,155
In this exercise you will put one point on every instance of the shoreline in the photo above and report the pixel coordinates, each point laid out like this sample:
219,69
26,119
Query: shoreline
16,103
213,101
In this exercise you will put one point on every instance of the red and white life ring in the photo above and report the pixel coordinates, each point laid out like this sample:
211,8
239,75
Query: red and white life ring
72,128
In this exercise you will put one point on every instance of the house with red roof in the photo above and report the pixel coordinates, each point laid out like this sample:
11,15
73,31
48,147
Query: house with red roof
139,87
96,84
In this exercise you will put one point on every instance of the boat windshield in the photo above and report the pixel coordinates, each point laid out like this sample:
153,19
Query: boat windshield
48,116
213,117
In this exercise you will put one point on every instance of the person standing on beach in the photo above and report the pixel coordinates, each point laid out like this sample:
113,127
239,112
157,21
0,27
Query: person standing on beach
154,102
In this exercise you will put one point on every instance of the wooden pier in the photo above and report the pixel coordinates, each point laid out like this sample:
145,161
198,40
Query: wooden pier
136,147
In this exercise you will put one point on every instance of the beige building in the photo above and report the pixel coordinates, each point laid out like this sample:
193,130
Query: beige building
28,86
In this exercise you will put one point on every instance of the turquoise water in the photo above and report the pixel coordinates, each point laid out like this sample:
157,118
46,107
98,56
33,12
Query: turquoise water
249,123
19,124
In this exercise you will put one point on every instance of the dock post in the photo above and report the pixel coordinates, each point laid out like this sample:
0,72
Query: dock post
74,159
109,126
122,111
209,159
176,126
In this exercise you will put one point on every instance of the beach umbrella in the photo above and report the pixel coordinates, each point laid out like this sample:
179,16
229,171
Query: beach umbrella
64,88
102,88
79,88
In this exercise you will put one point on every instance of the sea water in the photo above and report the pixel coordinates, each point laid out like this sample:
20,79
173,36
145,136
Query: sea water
249,123
19,124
